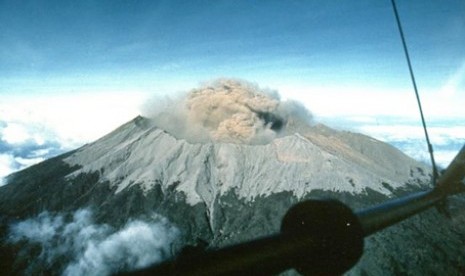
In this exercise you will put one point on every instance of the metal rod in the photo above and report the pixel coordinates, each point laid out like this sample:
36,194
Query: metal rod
266,256
414,83
381,216
386,214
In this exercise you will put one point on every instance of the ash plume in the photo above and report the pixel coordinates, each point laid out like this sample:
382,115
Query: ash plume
231,111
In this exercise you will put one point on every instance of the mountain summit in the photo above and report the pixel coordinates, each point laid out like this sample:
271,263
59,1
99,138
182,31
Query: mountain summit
181,178
141,154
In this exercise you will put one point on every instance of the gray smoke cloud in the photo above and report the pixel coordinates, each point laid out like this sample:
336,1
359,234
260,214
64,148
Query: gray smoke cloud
228,110
96,249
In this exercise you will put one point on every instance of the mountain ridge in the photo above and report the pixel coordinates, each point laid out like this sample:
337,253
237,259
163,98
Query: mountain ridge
141,153
225,193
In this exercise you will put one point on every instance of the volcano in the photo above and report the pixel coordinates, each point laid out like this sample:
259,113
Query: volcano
217,187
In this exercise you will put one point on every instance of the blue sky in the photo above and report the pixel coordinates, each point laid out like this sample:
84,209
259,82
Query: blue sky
72,70
56,44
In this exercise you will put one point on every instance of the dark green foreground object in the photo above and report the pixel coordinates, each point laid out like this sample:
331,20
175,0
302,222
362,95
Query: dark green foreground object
317,236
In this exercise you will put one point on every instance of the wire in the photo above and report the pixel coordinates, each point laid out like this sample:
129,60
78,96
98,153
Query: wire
430,147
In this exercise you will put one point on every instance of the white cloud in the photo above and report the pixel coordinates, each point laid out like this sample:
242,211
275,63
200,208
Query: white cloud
7,166
330,101
96,249
14,133
344,101
73,118
40,152
446,140
36,127
438,135
444,157
26,162
23,145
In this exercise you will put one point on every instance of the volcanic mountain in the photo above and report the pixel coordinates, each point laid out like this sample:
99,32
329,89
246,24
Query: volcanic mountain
230,180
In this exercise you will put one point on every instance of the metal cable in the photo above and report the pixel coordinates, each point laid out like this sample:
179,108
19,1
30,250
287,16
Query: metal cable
430,147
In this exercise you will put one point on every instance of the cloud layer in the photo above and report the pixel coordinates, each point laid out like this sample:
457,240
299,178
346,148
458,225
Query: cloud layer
23,145
39,126
96,249
447,138
231,111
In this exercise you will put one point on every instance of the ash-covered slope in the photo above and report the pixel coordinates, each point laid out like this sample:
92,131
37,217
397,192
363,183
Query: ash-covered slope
139,153
222,178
